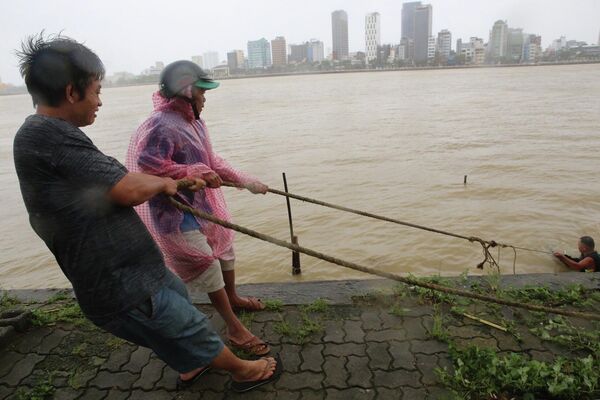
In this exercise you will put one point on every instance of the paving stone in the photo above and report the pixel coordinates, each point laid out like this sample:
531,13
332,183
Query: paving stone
389,320
168,380
428,346
94,394
426,365
290,353
346,349
5,391
313,394
350,394
153,395
465,331
397,378
302,380
139,358
270,334
265,316
385,335
21,369
542,356
81,378
415,310
402,357
334,332
117,395
7,361
118,358
388,394
354,332
478,342
66,394
210,395
444,361
51,341
378,355
438,393
409,393
370,319
360,374
150,374
260,394
531,342
113,380
335,371
26,343
414,329
507,342
312,356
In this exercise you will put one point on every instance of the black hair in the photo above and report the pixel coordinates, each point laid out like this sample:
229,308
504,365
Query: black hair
588,241
49,64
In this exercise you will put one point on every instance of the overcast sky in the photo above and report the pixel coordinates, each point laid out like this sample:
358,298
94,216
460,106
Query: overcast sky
132,35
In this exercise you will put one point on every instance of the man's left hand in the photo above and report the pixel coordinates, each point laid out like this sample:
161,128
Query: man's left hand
257,187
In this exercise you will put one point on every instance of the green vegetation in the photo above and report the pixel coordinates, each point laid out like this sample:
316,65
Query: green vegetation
44,389
482,374
7,302
67,312
274,305
318,306
303,330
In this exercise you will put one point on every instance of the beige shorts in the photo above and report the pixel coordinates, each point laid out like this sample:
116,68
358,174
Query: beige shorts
210,280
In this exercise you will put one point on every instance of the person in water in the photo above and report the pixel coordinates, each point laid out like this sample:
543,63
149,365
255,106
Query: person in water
174,142
589,260
80,203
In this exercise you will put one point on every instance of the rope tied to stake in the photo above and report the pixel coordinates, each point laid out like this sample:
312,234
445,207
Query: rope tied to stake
407,280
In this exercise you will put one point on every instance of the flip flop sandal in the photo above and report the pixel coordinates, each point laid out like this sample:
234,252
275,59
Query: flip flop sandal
241,387
181,384
252,304
254,346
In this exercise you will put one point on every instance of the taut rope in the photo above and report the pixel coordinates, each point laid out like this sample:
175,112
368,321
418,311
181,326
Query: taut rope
368,270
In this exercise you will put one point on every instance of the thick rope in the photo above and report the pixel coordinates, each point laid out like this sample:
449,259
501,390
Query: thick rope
388,275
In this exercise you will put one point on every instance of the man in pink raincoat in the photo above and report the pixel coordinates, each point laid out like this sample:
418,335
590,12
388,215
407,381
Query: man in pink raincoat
174,142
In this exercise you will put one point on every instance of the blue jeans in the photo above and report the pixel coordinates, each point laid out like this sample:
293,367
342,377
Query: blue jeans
170,325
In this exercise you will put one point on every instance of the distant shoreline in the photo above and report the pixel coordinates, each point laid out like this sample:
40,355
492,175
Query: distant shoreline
350,71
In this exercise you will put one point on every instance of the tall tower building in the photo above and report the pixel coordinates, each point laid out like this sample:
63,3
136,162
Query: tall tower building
444,43
211,59
314,51
372,35
498,46
235,59
408,19
259,53
423,18
279,51
339,31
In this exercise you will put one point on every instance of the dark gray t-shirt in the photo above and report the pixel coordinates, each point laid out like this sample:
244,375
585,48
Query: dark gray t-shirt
104,249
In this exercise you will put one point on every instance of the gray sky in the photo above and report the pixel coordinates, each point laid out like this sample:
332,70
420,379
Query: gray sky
132,35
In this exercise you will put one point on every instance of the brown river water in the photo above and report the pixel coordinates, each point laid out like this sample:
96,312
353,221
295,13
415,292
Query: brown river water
391,143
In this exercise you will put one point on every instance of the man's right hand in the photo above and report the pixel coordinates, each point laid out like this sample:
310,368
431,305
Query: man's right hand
213,180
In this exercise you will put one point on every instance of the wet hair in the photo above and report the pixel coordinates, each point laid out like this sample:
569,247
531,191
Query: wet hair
587,241
49,64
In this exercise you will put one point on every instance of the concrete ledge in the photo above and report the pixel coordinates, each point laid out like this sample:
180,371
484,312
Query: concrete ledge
341,292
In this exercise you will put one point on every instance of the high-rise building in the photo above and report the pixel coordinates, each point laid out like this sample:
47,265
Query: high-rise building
279,51
372,35
472,52
444,43
498,45
408,19
259,53
211,59
298,53
197,60
532,48
339,31
514,45
315,51
235,60
431,48
423,18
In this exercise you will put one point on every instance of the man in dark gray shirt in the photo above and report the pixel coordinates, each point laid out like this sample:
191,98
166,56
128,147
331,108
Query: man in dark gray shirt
80,203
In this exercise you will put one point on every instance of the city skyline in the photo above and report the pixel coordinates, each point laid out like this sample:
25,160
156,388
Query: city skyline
147,45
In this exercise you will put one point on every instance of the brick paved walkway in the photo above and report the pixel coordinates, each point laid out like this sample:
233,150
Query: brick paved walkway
359,350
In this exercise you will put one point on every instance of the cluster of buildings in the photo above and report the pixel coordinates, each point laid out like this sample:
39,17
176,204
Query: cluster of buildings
418,46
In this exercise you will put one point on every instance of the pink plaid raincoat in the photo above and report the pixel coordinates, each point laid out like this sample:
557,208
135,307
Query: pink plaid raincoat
172,143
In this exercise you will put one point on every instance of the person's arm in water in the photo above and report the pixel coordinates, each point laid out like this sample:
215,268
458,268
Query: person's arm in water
136,188
585,263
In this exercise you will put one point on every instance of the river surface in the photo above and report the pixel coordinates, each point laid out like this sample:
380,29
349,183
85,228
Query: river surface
392,143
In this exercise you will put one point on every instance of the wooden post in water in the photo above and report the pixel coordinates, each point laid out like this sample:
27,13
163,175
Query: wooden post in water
465,182
296,269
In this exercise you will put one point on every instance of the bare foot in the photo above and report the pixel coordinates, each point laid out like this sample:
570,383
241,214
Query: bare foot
247,303
188,376
256,370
